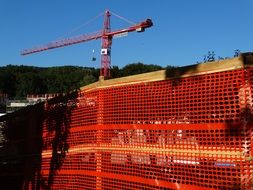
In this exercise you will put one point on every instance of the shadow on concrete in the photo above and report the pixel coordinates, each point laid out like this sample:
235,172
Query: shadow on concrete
21,146
21,143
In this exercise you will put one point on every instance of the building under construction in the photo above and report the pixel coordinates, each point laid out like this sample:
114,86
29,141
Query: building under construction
190,128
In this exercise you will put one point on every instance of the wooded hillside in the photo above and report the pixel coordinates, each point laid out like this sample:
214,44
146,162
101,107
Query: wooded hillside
18,81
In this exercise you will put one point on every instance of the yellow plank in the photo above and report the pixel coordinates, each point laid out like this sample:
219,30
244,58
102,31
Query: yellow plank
245,60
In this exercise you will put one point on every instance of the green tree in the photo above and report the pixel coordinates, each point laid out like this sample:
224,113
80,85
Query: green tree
138,68
8,83
30,83
115,72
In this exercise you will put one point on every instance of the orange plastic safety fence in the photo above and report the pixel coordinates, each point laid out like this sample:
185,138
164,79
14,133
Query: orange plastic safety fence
185,133
182,133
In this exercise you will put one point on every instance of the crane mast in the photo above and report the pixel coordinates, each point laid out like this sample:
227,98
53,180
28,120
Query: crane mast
106,47
106,36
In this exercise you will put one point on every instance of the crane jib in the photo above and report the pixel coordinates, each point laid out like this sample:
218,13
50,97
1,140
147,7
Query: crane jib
83,38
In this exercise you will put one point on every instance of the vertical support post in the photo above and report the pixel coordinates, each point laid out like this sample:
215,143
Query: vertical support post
106,47
99,133
246,171
244,93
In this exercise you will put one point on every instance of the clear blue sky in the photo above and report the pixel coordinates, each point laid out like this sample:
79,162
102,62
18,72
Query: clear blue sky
183,30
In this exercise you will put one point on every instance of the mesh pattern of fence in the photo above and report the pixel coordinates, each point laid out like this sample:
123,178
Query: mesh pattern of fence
190,131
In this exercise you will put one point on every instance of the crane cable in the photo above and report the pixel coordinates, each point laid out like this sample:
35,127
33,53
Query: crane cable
81,26
122,18
91,20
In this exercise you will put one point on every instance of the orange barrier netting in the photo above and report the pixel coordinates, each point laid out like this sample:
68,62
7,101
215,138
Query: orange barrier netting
190,132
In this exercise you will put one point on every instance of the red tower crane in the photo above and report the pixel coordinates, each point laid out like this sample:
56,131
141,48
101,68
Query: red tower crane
106,35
